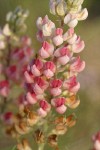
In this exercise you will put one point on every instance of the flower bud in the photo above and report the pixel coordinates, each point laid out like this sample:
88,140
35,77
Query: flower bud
49,69
58,7
61,8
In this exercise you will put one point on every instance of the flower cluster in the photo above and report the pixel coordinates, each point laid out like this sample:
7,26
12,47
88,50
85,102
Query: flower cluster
15,54
71,11
51,77
96,141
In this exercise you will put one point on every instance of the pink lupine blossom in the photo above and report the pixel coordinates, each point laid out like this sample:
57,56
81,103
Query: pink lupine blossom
35,67
39,85
59,104
46,50
78,46
31,98
4,88
63,55
55,87
46,28
71,85
96,140
49,69
71,19
44,108
29,78
77,65
70,36
58,38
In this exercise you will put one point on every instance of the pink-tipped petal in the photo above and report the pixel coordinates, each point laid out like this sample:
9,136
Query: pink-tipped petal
78,47
63,60
73,39
35,71
37,89
61,109
48,73
31,98
44,54
58,40
75,88
55,91
41,112
28,77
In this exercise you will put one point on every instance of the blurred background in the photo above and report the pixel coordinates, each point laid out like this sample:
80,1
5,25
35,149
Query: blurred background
88,114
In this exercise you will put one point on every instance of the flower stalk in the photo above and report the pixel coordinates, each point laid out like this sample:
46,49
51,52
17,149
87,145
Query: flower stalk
51,78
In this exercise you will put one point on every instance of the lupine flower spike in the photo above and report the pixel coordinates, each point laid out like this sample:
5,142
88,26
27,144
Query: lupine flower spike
51,77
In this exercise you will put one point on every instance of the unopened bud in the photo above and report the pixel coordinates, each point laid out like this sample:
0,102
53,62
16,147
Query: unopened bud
61,8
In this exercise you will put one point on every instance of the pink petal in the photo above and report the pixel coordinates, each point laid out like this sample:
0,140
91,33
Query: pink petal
43,53
73,39
28,77
55,91
75,88
77,48
37,89
35,71
58,40
62,109
77,65
41,112
48,73
30,98
63,60
57,53
59,31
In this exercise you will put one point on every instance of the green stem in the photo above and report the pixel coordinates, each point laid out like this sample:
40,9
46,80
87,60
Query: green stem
41,146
